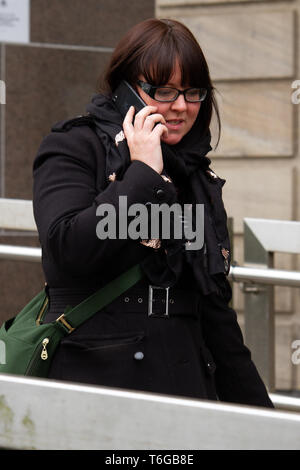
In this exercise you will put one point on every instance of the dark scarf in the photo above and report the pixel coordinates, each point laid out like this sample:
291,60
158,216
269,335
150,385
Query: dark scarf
186,163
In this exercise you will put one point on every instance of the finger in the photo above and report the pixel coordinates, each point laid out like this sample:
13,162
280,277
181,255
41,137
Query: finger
161,130
129,115
153,119
141,116
127,123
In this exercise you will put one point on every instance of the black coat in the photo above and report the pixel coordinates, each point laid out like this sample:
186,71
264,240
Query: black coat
193,353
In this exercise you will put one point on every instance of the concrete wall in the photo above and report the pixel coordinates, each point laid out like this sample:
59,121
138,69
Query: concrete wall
252,48
50,79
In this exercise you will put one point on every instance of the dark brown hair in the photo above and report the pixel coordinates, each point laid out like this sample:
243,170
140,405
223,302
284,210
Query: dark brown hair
151,48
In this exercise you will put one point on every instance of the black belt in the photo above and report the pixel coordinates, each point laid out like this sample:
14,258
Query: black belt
152,301
157,301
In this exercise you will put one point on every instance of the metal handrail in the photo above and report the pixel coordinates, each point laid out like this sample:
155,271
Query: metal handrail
20,253
150,421
278,277
283,402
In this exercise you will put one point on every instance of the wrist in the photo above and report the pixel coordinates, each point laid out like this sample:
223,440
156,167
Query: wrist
158,170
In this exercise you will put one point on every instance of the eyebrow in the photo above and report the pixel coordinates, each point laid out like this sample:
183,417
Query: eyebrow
171,84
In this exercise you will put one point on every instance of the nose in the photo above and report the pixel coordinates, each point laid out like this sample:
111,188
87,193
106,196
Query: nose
179,104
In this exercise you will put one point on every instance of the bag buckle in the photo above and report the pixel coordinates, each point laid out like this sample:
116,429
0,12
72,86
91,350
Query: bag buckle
64,323
151,300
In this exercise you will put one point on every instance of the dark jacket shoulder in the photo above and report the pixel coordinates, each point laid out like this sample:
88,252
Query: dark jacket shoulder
75,138
67,124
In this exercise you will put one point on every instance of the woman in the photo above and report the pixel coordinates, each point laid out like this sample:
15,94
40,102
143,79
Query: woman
192,345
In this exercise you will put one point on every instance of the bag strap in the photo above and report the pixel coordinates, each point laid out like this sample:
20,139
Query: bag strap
73,318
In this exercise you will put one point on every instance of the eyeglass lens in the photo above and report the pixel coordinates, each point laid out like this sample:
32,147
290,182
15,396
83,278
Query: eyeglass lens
169,94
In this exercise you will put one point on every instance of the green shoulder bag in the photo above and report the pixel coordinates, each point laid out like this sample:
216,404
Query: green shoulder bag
28,345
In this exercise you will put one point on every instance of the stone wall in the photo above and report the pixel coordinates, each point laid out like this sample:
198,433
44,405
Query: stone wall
252,48
50,79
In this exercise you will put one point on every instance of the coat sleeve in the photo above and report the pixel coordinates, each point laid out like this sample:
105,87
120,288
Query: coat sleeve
66,196
237,379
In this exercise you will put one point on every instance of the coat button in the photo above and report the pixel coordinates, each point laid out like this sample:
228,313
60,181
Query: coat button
160,194
139,355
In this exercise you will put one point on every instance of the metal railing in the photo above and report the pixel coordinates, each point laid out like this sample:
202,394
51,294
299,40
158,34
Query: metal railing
242,274
269,276
263,238
20,253
90,417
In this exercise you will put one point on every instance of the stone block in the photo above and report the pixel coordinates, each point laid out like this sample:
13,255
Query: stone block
257,119
260,190
283,299
187,3
89,23
244,44
44,85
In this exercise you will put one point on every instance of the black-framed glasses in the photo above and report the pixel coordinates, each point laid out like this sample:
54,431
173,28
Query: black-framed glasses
168,94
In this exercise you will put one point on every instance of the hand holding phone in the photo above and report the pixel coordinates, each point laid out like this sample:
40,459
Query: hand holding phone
141,130
125,96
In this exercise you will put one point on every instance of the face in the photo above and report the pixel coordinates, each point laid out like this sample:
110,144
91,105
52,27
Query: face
179,115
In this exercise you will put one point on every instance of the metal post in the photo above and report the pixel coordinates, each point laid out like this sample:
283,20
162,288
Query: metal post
263,237
259,312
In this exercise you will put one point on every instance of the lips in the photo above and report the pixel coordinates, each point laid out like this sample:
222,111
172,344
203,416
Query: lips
174,123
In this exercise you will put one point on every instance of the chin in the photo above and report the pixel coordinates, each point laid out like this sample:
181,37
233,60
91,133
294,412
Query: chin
172,139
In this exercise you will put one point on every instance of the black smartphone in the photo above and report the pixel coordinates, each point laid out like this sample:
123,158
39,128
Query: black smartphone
125,96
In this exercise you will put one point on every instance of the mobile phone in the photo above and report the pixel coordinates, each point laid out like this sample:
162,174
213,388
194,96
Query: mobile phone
125,96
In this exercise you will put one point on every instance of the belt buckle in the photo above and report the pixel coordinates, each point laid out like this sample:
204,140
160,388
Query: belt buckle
151,300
